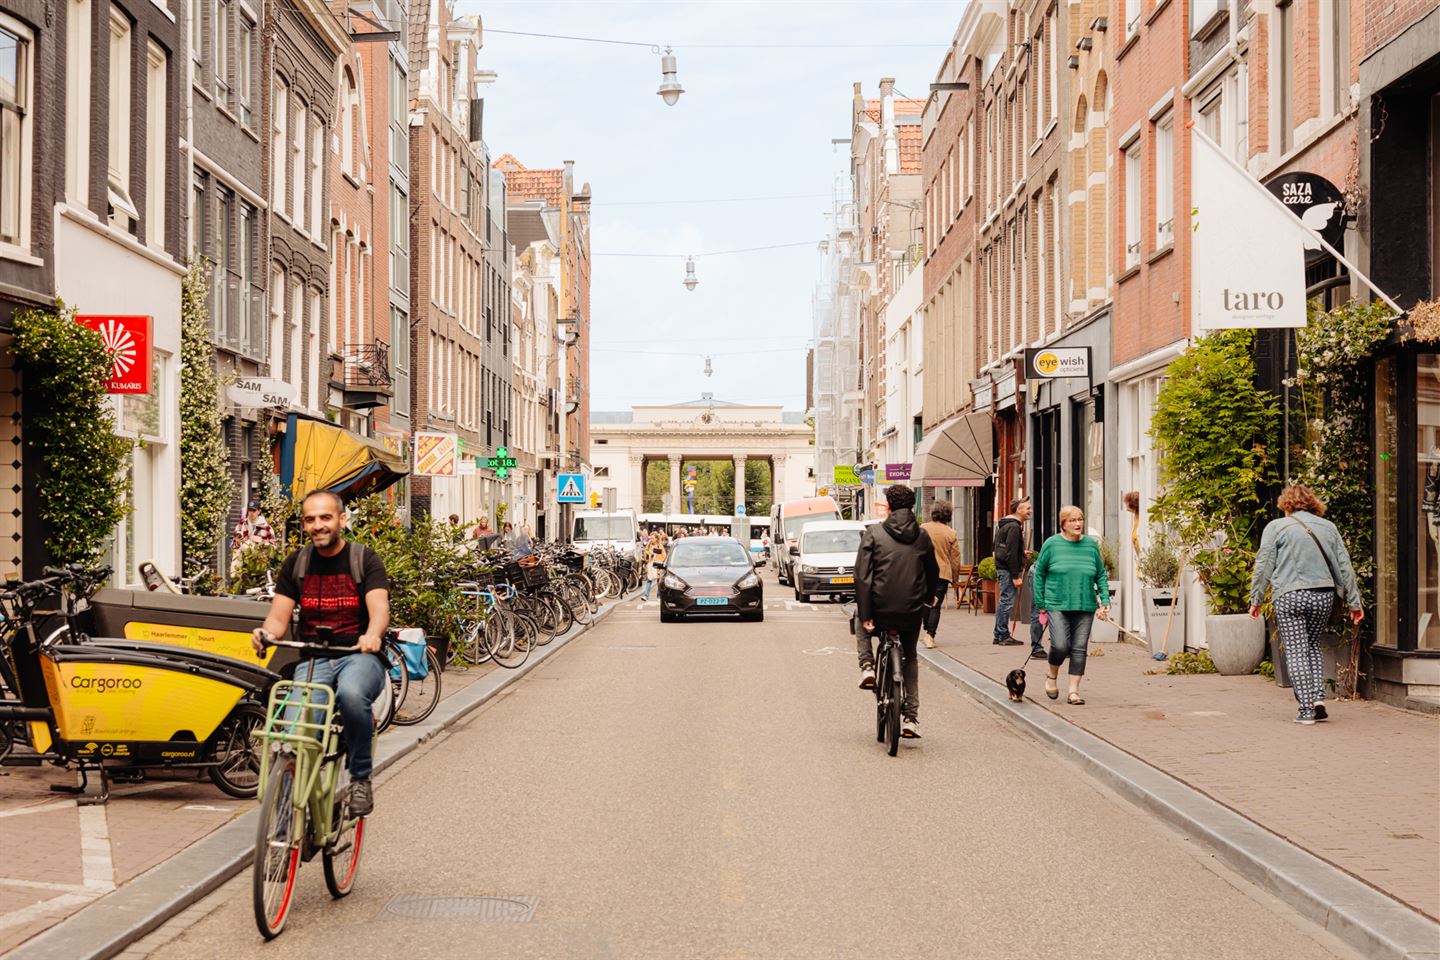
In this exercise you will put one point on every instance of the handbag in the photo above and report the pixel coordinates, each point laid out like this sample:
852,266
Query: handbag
1340,606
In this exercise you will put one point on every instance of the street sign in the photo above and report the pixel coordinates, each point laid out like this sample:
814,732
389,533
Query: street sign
502,463
127,344
666,502
435,454
612,494
571,487
896,472
466,467
739,509
261,392
845,476
867,475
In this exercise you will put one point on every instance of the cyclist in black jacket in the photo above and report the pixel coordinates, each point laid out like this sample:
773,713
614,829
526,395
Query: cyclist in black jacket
896,579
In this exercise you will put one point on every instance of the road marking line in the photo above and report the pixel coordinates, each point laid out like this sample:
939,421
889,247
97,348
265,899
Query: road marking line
44,885
96,860
57,906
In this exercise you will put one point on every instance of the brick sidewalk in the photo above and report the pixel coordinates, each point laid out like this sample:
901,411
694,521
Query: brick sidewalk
1361,791
58,857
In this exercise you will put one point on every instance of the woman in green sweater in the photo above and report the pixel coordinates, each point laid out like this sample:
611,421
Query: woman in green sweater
1070,583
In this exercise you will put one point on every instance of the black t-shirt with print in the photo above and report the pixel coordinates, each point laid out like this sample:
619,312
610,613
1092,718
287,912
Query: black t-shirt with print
329,596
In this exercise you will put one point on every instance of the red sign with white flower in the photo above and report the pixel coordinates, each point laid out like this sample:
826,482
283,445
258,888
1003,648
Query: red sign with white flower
127,342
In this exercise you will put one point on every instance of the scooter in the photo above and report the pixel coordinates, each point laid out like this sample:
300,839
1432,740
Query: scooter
108,706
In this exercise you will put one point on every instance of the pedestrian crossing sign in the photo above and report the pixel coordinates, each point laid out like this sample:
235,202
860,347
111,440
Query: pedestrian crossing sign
571,487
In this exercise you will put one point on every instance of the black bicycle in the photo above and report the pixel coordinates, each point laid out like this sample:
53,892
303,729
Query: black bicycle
889,689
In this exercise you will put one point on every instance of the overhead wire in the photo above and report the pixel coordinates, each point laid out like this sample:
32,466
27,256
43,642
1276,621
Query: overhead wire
713,253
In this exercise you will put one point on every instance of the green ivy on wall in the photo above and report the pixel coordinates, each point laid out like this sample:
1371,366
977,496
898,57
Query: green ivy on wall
206,490
1331,442
70,422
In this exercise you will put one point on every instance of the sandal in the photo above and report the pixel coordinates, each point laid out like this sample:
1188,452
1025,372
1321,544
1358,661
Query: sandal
1075,700
1052,692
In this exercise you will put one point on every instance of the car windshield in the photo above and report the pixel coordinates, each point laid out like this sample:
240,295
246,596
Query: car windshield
793,525
697,553
831,541
604,528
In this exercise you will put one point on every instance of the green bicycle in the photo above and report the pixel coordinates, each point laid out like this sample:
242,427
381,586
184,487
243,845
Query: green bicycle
304,808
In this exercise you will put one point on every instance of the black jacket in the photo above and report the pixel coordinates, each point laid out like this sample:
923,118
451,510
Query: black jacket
895,571
1010,546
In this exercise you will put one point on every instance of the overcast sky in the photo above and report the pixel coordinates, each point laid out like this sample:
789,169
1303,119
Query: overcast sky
753,122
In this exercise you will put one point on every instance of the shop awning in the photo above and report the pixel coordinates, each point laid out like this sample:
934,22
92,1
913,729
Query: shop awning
958,453
322,456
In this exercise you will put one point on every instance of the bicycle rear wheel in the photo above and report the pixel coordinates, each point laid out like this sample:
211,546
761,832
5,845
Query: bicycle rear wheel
882,703
423,695
896,691
342,858
394,690
234,751
277,849
504,646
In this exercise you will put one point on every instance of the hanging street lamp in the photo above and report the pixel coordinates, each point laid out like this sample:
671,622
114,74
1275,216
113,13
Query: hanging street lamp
691,281
670,88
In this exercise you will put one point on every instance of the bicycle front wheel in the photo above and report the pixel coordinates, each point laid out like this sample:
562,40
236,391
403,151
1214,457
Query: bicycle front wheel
504,642
342,858
277,848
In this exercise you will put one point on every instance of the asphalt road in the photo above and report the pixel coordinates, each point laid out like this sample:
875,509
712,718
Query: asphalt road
716,790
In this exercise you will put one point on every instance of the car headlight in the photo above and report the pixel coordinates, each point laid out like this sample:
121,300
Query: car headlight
806,568
747,581
673,582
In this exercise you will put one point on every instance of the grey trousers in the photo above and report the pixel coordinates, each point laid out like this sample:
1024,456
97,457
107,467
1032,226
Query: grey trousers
909,662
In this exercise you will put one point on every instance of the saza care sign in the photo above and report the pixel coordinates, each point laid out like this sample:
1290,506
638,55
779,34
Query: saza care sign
127,344
261,392
1052,362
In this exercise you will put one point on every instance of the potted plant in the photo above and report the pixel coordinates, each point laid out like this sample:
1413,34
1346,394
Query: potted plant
989,591
1102,631
1236,642
1163,600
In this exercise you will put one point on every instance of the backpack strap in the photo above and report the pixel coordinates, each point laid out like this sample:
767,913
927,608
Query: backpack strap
302,563
357,565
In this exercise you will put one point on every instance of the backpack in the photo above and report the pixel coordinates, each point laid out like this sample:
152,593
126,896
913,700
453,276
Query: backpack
357,565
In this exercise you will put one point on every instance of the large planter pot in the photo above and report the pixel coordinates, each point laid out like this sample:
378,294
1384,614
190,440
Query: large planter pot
1164,610
1236,643
989,595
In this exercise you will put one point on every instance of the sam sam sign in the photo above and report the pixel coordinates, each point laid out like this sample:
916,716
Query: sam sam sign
128,344
261,392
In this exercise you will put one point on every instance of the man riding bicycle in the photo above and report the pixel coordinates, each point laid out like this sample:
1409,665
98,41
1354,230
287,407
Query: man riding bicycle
343,587
896,579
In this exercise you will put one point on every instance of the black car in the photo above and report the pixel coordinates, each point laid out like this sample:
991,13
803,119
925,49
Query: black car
710,576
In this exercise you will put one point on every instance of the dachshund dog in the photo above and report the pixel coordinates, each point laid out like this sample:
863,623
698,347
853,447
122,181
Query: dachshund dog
1015,683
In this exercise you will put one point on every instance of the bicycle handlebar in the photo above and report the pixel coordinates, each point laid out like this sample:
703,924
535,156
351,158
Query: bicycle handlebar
312,649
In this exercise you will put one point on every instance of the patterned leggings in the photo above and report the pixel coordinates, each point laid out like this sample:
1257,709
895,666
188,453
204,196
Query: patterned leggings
1302,615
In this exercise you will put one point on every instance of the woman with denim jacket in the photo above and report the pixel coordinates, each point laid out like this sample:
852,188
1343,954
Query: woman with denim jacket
1301,556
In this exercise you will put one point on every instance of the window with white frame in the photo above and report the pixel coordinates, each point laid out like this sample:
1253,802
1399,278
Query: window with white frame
245,69
1164,181
77,105
277,323
1339,54
15,133
347,122
1204,12
317,170
313,351
197,34
297,165
1058,311
1132,204
156,157
123,213
296,326
220,31
279,148
1132,18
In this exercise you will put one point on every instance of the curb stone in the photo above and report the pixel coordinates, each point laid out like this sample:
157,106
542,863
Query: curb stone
1350,909
111,923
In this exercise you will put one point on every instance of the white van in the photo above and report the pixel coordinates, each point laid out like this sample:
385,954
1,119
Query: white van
826,561
787,520
590,529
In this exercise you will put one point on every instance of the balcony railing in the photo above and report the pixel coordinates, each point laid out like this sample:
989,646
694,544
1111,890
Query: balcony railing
237,312
368,365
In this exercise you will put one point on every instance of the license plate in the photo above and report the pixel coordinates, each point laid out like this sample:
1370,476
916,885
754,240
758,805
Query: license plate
842,579
711,601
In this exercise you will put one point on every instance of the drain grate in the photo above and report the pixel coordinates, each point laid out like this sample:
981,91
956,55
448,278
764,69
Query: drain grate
480,909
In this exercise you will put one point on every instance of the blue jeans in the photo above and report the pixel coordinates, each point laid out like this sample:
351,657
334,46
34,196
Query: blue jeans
1070,636
1005,581
357,680
1037,629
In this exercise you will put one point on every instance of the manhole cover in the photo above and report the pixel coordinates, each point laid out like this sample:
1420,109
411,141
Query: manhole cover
482,909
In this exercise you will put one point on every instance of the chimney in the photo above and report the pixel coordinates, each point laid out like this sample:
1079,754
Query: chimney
568,182
887,126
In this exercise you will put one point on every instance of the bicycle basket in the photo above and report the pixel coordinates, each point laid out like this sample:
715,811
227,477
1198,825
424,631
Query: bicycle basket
412,647
536,575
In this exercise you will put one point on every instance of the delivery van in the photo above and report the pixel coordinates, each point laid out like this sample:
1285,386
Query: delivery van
787,520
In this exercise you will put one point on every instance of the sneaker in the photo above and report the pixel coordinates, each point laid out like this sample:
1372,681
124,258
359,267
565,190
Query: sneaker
867,678
1007,642
1308,719
1037,655
930,640
362,799
1320,712
910,729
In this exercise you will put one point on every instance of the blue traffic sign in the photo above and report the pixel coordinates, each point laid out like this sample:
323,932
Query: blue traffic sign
867,475
571,487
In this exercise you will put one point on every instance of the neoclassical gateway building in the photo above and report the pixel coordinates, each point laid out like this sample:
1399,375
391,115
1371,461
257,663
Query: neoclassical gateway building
623,445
